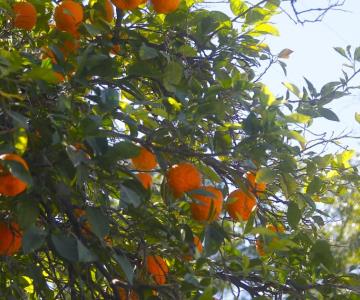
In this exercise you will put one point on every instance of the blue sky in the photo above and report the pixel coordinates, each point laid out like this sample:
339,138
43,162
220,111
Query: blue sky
315,59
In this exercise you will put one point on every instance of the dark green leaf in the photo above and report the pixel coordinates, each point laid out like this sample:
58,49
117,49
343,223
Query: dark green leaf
98,221
214,237
27,212
321,253
293,214
125,266
66,246
328,114
84,254
146,52
33,239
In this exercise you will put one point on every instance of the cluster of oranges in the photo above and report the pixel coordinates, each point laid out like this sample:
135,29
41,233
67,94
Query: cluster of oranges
68,17
207,201
11,186
69,14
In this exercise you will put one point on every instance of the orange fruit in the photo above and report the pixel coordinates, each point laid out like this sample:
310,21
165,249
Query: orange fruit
157,267
279,228
103,9
240,205
69,47
145,179
9,184
127,4
59,77
68,16
259,245
115,49
145,160
47,53
207,208
109,11
85,225
10,238
25,15
196,244
255,187
165,6
182,178
124,295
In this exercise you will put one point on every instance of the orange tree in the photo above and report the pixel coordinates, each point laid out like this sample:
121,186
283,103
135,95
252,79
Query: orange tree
143,158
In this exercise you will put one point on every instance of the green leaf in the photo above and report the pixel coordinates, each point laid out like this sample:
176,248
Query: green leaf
130,196
40,73
321,254
265,175
122,150
146,52
214,237
266,28
292,88
341,51
125,266
250,223
98,221
255,15
27,212
18,119
33,239
293,214
20,140
298,118
66,246
328,114
357,54
18,170
173,73
238,6
314,186
84,253
357,117
266,96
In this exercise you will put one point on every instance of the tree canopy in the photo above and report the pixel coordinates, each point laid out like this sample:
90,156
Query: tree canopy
142,157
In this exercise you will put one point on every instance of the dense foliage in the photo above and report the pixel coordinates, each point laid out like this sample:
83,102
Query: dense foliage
91,104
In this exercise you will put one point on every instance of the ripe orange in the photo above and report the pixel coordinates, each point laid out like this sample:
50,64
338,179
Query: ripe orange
279,228
157,267
47,53
196,244
240,205
25,15
68,16
207,208
85,225
109,11
165,6
145,160
70,47
182,178
145,179
259,246
103,9
9,184
59,77
115,49
255,187
10,238
127,4
124,295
